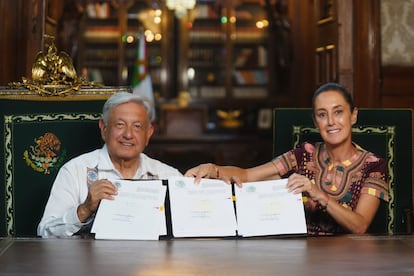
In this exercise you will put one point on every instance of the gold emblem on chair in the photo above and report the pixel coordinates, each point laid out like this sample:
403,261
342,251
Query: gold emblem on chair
46,155
53,74
53,66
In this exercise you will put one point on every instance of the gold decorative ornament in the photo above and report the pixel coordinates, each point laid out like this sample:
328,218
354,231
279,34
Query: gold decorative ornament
229,118
53,74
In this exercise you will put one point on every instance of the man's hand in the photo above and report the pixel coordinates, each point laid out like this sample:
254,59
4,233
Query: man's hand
100,189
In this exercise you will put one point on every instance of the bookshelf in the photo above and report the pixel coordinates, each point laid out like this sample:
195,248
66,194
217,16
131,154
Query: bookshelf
100,45
109,37
227,63
227,57
219,54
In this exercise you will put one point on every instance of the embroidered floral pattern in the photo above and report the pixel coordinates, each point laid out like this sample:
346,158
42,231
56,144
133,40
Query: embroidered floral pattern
363,173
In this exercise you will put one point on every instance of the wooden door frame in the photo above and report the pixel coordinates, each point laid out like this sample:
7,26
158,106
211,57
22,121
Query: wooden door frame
359,50
358,45
367,62
346,44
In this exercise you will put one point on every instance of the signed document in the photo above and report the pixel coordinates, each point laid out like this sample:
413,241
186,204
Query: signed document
137,212
202,210
266,208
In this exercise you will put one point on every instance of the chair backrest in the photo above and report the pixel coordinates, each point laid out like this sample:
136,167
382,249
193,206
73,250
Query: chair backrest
39,135
386,132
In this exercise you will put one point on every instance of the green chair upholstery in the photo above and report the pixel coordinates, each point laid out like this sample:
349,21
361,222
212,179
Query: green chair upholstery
386,132
39,135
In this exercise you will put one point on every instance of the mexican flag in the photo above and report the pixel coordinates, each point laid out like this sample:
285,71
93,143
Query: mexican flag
141,80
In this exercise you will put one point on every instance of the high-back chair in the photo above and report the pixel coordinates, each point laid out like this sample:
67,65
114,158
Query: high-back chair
386,132
39,134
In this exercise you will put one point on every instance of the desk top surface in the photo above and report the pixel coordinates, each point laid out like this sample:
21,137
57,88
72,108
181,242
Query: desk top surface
350,255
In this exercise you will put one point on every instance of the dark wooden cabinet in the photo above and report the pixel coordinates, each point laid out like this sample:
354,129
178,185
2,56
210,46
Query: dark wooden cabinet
227,59
184,139
223,149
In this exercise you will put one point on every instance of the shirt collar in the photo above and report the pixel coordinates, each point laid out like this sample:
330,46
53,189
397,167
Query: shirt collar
145,170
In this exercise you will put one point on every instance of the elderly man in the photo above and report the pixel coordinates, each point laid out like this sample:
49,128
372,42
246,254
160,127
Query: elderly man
126,128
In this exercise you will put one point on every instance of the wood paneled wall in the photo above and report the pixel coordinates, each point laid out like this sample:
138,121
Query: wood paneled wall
21,33
302,81
8,35
397,87
367,54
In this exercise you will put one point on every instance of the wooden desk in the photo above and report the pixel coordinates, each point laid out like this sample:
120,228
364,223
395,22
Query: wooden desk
346,255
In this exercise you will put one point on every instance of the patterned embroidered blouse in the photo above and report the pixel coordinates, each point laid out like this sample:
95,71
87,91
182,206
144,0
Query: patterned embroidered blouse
364,173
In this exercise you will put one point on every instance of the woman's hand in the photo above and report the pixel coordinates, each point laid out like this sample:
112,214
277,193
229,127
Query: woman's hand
228,174
208,170
298,184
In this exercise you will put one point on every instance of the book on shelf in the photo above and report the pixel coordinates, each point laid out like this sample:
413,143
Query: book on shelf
243,56
101,54
250,92
205,11
205,35
217,92
257,77
261,56
102,33
250,35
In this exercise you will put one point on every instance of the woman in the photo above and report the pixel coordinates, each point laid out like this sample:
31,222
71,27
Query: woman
341,182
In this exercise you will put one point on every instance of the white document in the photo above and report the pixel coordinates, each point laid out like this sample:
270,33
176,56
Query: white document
202,210
266,208
137,212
